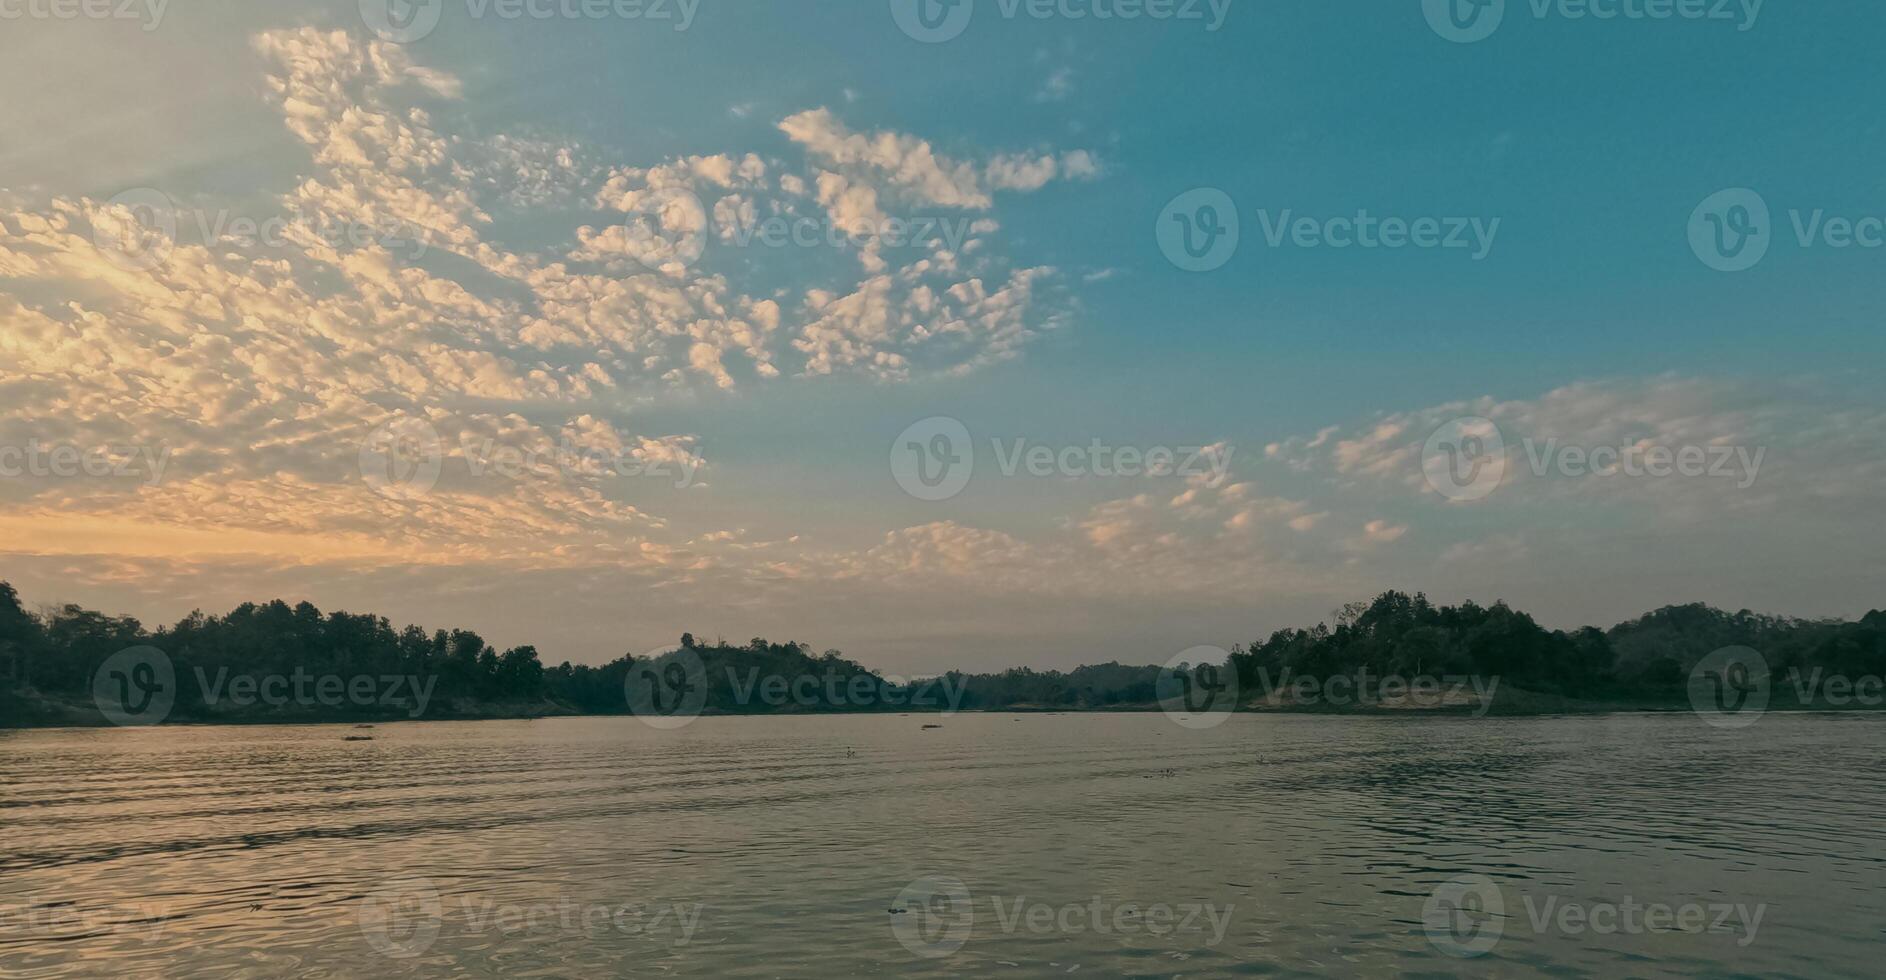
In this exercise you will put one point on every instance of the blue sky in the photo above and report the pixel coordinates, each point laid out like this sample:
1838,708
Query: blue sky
1318,373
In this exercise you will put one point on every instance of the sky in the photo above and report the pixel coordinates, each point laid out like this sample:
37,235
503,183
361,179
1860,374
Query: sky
949,335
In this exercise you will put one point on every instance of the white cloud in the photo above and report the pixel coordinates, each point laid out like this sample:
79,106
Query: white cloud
1056,87
264,365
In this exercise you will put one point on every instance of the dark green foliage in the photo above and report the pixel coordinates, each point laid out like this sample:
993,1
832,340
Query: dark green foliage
1689,633
736,679
66,647
1407,636
57,653
1094,686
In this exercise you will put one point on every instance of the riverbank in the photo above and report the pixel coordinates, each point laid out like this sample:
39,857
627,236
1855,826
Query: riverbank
31,710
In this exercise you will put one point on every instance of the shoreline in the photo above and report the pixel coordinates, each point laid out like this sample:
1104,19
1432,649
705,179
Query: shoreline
85,718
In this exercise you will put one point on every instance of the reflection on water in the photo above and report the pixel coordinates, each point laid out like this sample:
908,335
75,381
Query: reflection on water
998,844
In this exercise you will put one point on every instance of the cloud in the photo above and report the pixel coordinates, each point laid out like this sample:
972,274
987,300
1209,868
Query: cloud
1056,87
262,366
914,170
1760,446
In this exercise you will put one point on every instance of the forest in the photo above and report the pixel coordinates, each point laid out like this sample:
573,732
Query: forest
49,658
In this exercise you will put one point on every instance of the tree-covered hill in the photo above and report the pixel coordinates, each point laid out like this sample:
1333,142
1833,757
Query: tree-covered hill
49,659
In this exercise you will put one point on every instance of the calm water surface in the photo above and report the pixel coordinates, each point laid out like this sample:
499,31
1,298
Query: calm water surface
1091,844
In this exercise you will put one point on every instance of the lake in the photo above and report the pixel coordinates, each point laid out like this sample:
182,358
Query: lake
997,844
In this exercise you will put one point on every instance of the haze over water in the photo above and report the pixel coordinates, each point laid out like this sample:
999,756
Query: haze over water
746,846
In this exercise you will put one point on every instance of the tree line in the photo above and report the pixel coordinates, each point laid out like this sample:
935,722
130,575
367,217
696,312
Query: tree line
54,654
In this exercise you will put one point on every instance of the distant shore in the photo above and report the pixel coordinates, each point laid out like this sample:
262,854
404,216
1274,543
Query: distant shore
41,712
